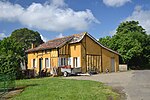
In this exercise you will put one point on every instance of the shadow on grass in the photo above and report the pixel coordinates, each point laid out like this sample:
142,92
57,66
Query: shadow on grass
15,91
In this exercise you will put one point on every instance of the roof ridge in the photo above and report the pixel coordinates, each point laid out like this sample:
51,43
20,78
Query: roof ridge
54,43
58,38
66,36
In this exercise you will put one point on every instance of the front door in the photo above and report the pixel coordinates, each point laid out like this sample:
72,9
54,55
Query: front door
40,65
112,64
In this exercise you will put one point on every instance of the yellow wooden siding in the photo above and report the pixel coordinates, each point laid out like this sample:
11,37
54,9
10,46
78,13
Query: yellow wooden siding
75,51
90,50
106,60
92,47
83,55
52,55
64,50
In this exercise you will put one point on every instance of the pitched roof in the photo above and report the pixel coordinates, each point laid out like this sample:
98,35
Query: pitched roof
58,42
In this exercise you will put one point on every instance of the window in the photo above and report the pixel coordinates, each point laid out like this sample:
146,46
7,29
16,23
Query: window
76,62
62,61
47,63
33,63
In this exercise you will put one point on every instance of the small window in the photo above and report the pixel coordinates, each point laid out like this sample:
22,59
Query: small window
47,63
34,63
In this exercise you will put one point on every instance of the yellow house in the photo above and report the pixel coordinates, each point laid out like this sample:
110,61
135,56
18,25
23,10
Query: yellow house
78,50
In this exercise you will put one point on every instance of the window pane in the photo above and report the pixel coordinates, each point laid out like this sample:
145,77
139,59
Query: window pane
64,61
61,61
46,62
33,62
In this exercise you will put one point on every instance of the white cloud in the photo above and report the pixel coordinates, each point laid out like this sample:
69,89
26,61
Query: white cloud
115,3
9,11
2,35
60,35
143,16
51,16
44,38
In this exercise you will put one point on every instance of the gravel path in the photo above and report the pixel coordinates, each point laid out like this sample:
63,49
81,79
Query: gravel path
136,84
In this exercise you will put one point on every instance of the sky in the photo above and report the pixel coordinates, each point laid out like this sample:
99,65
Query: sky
58,18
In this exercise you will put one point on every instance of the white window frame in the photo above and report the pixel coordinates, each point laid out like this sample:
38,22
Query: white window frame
76,62
48,63
33,63
71,58
62,61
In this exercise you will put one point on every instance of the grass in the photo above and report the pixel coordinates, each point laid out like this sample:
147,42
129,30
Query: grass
63,89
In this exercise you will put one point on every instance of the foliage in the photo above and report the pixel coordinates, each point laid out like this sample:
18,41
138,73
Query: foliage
10,56
63,89
105,41
26,37
12,49
132,42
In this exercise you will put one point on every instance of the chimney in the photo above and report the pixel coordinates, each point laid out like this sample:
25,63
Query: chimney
32,46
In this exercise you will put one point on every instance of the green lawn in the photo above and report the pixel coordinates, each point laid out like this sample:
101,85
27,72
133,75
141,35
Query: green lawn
63,89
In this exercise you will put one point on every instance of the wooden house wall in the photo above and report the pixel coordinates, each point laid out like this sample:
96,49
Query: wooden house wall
51,54
64,51
95,57
91,55
106,60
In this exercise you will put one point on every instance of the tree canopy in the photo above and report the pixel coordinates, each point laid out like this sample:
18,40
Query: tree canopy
132,42
10,56
25,37
12,49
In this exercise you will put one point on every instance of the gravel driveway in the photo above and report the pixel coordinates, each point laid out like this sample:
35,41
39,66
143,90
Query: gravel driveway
136,84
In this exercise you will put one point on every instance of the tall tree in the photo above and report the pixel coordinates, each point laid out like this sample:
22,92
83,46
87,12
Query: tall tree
132,42
25,38
10,56
12,49
105,41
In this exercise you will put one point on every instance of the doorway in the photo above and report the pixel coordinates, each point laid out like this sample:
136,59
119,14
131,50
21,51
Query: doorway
112,64
40,65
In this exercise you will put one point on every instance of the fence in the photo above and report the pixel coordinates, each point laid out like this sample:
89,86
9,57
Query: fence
7,82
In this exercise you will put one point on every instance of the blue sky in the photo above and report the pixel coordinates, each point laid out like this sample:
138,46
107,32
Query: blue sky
57,18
